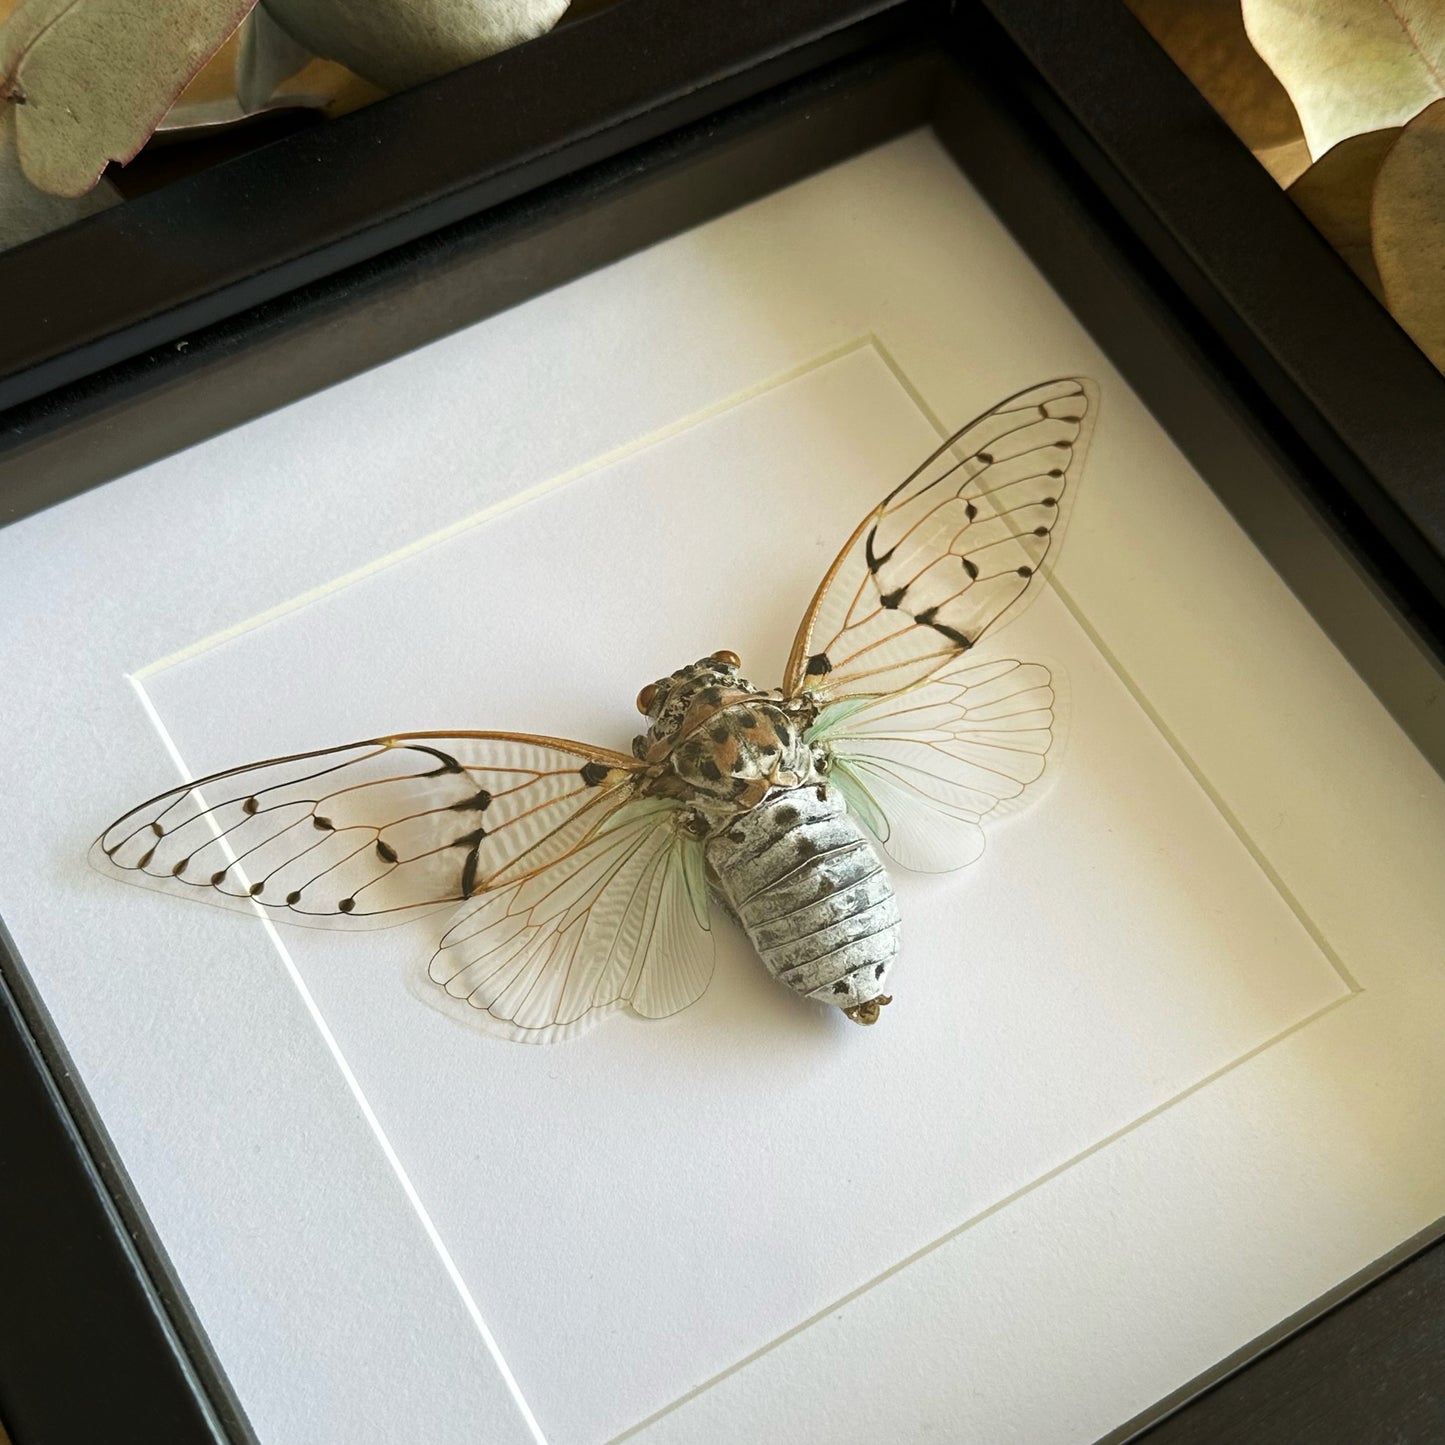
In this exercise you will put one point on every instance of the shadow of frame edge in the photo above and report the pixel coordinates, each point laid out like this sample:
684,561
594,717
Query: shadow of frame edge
82,1265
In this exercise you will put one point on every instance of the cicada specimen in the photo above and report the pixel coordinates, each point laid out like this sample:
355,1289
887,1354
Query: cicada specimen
582,878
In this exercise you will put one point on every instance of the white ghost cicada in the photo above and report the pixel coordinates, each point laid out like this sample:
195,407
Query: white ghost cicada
581,877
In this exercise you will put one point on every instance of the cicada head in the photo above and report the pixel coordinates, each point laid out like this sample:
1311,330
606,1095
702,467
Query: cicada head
709,682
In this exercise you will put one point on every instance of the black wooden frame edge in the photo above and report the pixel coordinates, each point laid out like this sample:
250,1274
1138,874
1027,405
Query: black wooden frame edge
1297,329
1268,1348
174,396
82,1264
233,237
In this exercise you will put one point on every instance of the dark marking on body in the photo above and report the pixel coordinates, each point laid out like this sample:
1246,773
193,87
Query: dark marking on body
841,986
710,771
878,972
736,835
719,734
787,815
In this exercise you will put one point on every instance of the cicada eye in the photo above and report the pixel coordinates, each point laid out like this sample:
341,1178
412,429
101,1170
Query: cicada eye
729,659
645,697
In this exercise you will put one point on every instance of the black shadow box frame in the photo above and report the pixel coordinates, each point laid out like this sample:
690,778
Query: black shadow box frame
142,330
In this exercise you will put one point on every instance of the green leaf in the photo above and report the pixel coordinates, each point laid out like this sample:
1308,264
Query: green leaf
1352,66
1409,230
398,43
89,80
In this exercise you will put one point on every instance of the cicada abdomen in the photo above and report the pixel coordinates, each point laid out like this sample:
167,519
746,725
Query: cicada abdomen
805,882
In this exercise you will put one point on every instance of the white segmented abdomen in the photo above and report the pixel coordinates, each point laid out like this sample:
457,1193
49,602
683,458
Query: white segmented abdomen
805,882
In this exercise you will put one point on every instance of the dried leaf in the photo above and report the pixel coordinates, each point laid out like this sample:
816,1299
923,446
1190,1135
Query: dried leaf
398,43
90,79
1409,230
1207,41
1335,193
212,100
269,56
1352,66
26,212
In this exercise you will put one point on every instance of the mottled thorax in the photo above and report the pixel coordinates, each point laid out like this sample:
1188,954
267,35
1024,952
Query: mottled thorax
717,740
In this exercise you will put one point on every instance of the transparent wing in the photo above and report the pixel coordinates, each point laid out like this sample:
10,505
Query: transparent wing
921,768
621,920
949,551
373,833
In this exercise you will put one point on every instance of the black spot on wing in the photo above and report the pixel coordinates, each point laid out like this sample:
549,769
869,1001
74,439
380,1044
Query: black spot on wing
448,763
479,802
594,773
473,843
819,665
874,561
929,618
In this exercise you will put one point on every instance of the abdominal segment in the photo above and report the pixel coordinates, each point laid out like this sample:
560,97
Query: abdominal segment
804,880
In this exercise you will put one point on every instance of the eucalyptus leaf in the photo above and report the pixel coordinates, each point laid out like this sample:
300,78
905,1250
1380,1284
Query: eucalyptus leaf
89,80
399,43
1206,40
268,57
1335,193
1409,230
1352,66
26,212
